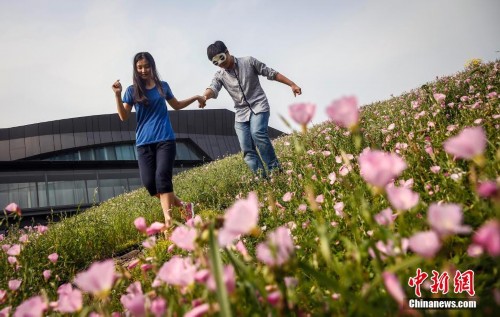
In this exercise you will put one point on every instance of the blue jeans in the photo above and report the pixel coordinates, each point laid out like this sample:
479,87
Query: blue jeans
253,135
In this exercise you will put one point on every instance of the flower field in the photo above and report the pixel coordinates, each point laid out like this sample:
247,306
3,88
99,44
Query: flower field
394,201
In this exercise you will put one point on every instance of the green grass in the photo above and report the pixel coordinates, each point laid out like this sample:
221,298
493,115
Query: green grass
331,259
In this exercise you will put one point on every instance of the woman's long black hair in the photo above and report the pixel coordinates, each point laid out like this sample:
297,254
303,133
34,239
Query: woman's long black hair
139,85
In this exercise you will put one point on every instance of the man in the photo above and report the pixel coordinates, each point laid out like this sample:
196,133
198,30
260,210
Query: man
240,78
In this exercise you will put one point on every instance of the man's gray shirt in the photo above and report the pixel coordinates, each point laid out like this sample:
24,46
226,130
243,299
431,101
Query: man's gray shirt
242,82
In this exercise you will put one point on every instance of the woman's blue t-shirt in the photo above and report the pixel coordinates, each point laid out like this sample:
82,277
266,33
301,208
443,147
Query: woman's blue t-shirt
153,122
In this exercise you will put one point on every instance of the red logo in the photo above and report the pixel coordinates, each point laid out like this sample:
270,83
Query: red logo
417,280
462,282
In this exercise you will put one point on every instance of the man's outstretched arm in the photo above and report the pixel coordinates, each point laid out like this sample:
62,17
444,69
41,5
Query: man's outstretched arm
282,79
208,94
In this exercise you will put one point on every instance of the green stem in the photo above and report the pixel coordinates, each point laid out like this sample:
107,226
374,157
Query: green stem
216,265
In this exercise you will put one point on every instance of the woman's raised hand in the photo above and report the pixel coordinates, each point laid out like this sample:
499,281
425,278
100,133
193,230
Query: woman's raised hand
117,87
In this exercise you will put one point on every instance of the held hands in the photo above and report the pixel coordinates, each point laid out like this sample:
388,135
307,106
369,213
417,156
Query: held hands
117,87
202,101
296,90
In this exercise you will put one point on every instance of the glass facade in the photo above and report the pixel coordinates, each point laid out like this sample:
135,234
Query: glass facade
120,152
66,188
53,189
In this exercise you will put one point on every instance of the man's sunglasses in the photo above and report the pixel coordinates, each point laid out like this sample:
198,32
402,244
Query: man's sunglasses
219,59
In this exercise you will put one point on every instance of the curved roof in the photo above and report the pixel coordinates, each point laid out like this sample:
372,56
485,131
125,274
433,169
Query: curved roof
212,130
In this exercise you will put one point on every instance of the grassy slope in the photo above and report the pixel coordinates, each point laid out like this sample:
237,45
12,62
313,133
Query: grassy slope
106,230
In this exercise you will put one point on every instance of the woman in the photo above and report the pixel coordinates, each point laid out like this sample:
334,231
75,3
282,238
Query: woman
155,139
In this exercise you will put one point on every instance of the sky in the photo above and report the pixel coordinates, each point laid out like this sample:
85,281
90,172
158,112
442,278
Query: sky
59,58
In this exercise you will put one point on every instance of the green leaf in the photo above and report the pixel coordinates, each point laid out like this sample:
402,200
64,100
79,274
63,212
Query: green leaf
216,265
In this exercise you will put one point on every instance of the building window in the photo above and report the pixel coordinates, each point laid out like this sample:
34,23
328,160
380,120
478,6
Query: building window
125,152
186,151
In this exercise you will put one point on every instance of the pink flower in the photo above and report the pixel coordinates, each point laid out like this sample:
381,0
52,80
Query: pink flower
344,170
277,249
228,278
320,199
385,217
471,142
158,307
23,238
171,248
274,298
291,282
193,222
435,169
135,304
155,228
406,183
492,95
140,224
14,284
149,243
287,197
46,274
146,267
446,219
198,311
344,112
13,208
14,250
5,312
385,248
3,295
98,279
429,150
393,286
240,247
488,237
70,300
41,229
302,207
332,177
177,271
134,301
487,189
379,168
133,264
33,307
302,113
53,257
425,243
202,276
474,250
440,98
240,218
402,198
184,237
339,209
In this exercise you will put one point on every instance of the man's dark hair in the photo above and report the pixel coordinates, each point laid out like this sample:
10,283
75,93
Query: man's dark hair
216,48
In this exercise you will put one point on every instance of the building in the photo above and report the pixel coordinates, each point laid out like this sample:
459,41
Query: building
71,164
